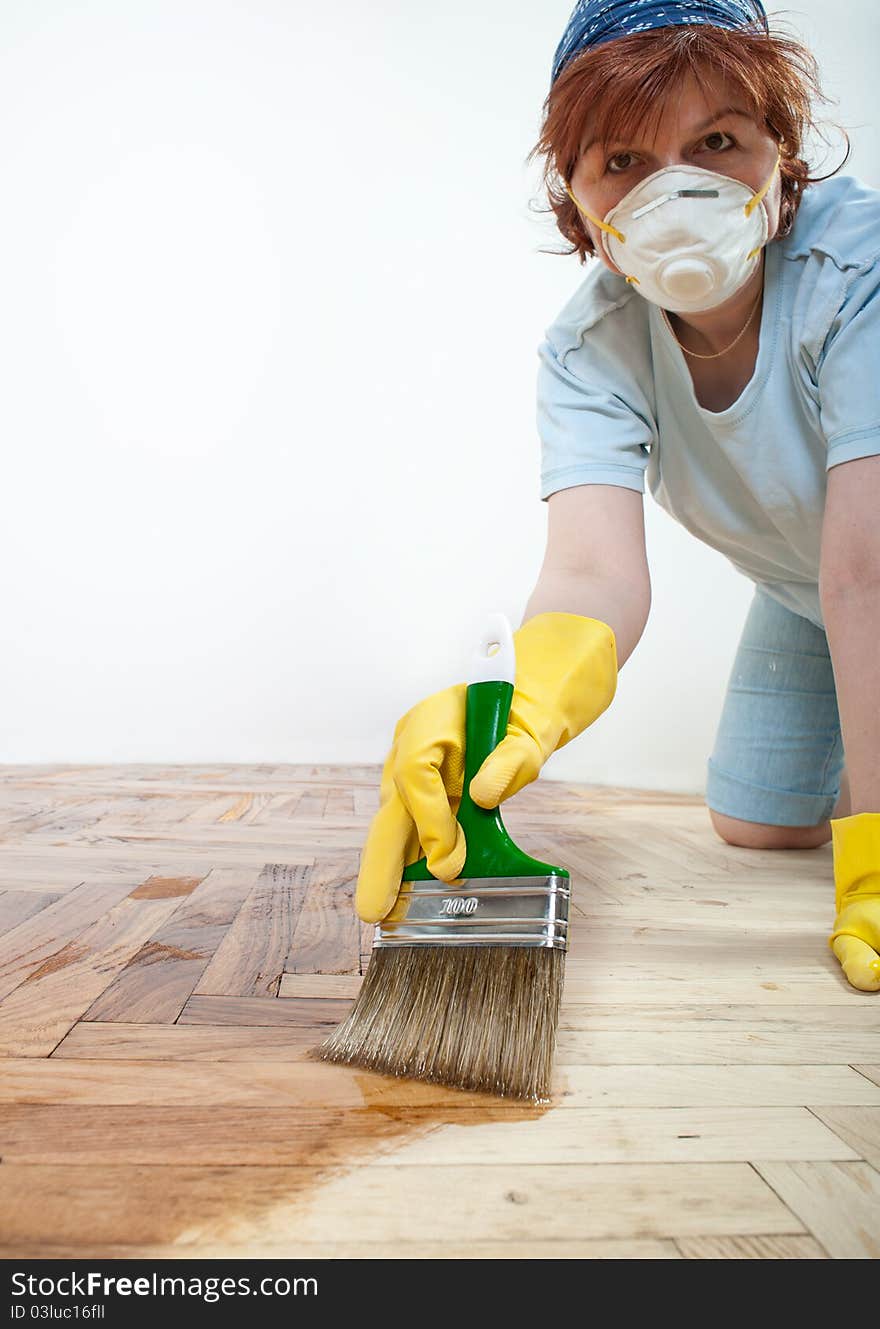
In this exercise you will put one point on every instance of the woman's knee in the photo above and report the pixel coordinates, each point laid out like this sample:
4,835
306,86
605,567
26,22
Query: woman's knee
762,835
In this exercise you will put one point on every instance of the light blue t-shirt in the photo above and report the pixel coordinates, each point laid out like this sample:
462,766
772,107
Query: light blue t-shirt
616,401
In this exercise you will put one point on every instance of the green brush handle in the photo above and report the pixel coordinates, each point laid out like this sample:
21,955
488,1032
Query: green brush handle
490,850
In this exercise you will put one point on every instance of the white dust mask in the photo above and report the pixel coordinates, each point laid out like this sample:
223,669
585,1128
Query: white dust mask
686,237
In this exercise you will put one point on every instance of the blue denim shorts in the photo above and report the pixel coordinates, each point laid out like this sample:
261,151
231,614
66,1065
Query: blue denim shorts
778,754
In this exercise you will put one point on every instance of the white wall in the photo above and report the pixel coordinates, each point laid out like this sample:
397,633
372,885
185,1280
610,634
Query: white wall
272,293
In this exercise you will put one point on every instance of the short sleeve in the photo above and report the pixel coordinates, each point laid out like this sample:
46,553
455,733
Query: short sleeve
594,418
848,374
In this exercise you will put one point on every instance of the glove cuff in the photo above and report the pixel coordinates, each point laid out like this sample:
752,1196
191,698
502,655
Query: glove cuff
568,662
856,848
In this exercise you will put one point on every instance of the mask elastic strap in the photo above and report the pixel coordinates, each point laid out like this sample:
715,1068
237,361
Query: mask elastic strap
756,198
603,226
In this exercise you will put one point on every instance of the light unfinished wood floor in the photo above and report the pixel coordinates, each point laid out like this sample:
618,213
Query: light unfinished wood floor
175,939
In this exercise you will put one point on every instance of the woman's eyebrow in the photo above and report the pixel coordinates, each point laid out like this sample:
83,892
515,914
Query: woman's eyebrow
716,115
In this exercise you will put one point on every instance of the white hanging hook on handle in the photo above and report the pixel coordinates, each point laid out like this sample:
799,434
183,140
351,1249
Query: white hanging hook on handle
495,655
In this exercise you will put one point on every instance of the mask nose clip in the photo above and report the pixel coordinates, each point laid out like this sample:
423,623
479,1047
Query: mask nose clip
676,193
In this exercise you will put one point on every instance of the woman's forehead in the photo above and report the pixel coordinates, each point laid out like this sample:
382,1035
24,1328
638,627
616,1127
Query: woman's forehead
682,107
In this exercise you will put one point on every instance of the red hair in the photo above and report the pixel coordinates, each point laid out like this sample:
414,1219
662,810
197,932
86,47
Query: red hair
623,84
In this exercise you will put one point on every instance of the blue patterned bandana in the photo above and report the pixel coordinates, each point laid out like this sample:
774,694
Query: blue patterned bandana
593,22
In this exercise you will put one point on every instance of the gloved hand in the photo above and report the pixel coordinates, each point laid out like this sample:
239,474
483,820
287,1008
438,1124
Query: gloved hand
856,936
566,676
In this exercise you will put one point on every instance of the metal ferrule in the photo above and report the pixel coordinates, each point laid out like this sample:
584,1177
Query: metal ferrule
480,911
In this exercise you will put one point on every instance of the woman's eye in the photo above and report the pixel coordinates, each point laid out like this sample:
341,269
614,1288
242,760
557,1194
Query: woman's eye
717,133
616,158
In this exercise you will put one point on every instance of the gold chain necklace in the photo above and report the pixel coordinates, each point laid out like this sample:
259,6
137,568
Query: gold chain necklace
716,354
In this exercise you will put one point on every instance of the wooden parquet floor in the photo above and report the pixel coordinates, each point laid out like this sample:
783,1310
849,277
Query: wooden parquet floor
174,940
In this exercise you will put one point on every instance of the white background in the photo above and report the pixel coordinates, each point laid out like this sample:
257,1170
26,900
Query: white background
272,290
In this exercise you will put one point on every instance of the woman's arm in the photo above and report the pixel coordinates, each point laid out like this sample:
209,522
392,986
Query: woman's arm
595,562
849,592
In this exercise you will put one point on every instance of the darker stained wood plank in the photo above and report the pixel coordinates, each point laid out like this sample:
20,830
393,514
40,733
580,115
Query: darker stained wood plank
155,984
251,958
326,937
45,1005
34,942
213,1136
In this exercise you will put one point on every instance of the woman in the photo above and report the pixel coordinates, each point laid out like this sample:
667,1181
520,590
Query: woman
726,348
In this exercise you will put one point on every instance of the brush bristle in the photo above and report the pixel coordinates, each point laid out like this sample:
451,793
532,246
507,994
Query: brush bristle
474,1017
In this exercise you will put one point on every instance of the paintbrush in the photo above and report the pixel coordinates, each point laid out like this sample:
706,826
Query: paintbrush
465,977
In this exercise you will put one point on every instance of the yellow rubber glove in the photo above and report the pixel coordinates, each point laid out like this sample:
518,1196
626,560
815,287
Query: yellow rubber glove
856,936
566,676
